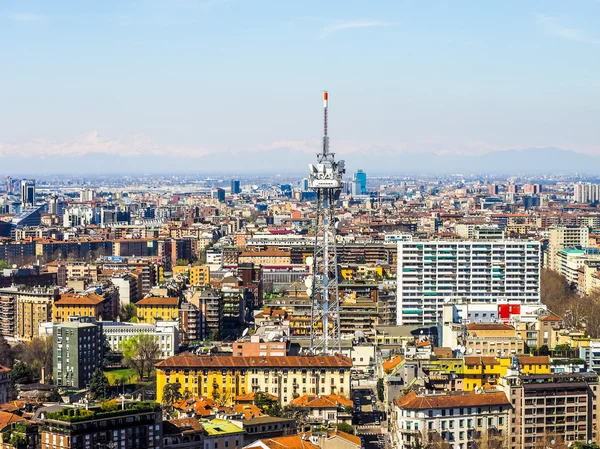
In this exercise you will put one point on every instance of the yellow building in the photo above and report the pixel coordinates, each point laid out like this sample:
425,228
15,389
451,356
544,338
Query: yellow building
199,275
70,304
153,309
267,257
480,370
223,378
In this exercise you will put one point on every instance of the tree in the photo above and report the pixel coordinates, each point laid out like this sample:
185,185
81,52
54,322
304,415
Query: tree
141,353
38,356
7,357
345,427
296,412
4,265
182,262
171,394
380,390
128,311
544,350
267,404
99,386
21,374
54,397
348,409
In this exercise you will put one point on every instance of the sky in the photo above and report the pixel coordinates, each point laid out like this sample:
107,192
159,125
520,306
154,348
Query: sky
186,79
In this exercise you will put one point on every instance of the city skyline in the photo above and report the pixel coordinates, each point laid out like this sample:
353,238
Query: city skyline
204,80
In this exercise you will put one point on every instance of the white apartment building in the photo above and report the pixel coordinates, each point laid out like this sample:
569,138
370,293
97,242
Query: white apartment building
561,237
457,419
586,192
431,273
570,260
166,334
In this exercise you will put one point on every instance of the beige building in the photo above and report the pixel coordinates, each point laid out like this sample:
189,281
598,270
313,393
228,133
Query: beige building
565,237
34,306
494,339
268,257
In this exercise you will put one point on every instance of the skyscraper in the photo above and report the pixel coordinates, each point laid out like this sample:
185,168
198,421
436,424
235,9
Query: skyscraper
218,194
28,192
361,177
235,186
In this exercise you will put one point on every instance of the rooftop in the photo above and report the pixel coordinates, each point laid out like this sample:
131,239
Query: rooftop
219,362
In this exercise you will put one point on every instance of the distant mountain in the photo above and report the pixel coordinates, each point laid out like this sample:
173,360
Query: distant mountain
527,161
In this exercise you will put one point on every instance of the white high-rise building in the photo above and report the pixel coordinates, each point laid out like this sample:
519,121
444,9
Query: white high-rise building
431,273
562,237
586,192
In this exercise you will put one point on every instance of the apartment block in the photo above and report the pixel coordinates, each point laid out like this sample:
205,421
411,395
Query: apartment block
76,352
34,306
134,426
564,237
460,421
226,377
546,407
165,333
431,273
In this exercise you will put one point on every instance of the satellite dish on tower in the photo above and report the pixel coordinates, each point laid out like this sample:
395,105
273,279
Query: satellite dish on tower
309,291
245,332
309,260
309,281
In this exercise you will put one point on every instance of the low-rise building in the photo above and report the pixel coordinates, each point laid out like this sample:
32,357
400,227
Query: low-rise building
326,409
153,309
136,426
459,420
228,377
165,333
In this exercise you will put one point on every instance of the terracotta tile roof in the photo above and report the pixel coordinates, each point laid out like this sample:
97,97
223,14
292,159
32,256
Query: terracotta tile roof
199,405
249,397
221,362
443,353
346,436
489,327
185,425
67,299
288,442
551,317
412,401
324,401
248,410
157,301
534,360
391,364
480,360
5,369
9,418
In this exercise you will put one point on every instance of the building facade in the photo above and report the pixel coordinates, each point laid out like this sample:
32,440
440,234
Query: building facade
227,377
77,352
432,272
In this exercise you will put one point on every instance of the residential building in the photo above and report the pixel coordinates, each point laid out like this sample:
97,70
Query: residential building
558,407
266,258
222,434
484,271
459,420
34,306
493,339
570,263
265,427
199,275
165,333
86,305
77,352
586,192
210,304
136,425
228,377
7,313
326,409
153,309
564,237
127,285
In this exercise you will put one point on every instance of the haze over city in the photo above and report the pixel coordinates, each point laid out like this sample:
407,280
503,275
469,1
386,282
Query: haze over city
193,86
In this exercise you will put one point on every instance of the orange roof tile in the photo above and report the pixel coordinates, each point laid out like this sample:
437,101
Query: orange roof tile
287,442
9,418
324,401
391,364
412,401
157,301
220,362
67,299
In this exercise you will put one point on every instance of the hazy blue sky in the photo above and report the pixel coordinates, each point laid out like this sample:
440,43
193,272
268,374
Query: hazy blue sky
202,76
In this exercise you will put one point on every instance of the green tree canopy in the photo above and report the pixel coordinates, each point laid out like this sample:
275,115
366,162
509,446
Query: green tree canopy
99,386
345,427
21,374
141,353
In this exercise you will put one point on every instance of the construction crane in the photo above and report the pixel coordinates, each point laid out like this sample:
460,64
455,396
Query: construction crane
326,180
